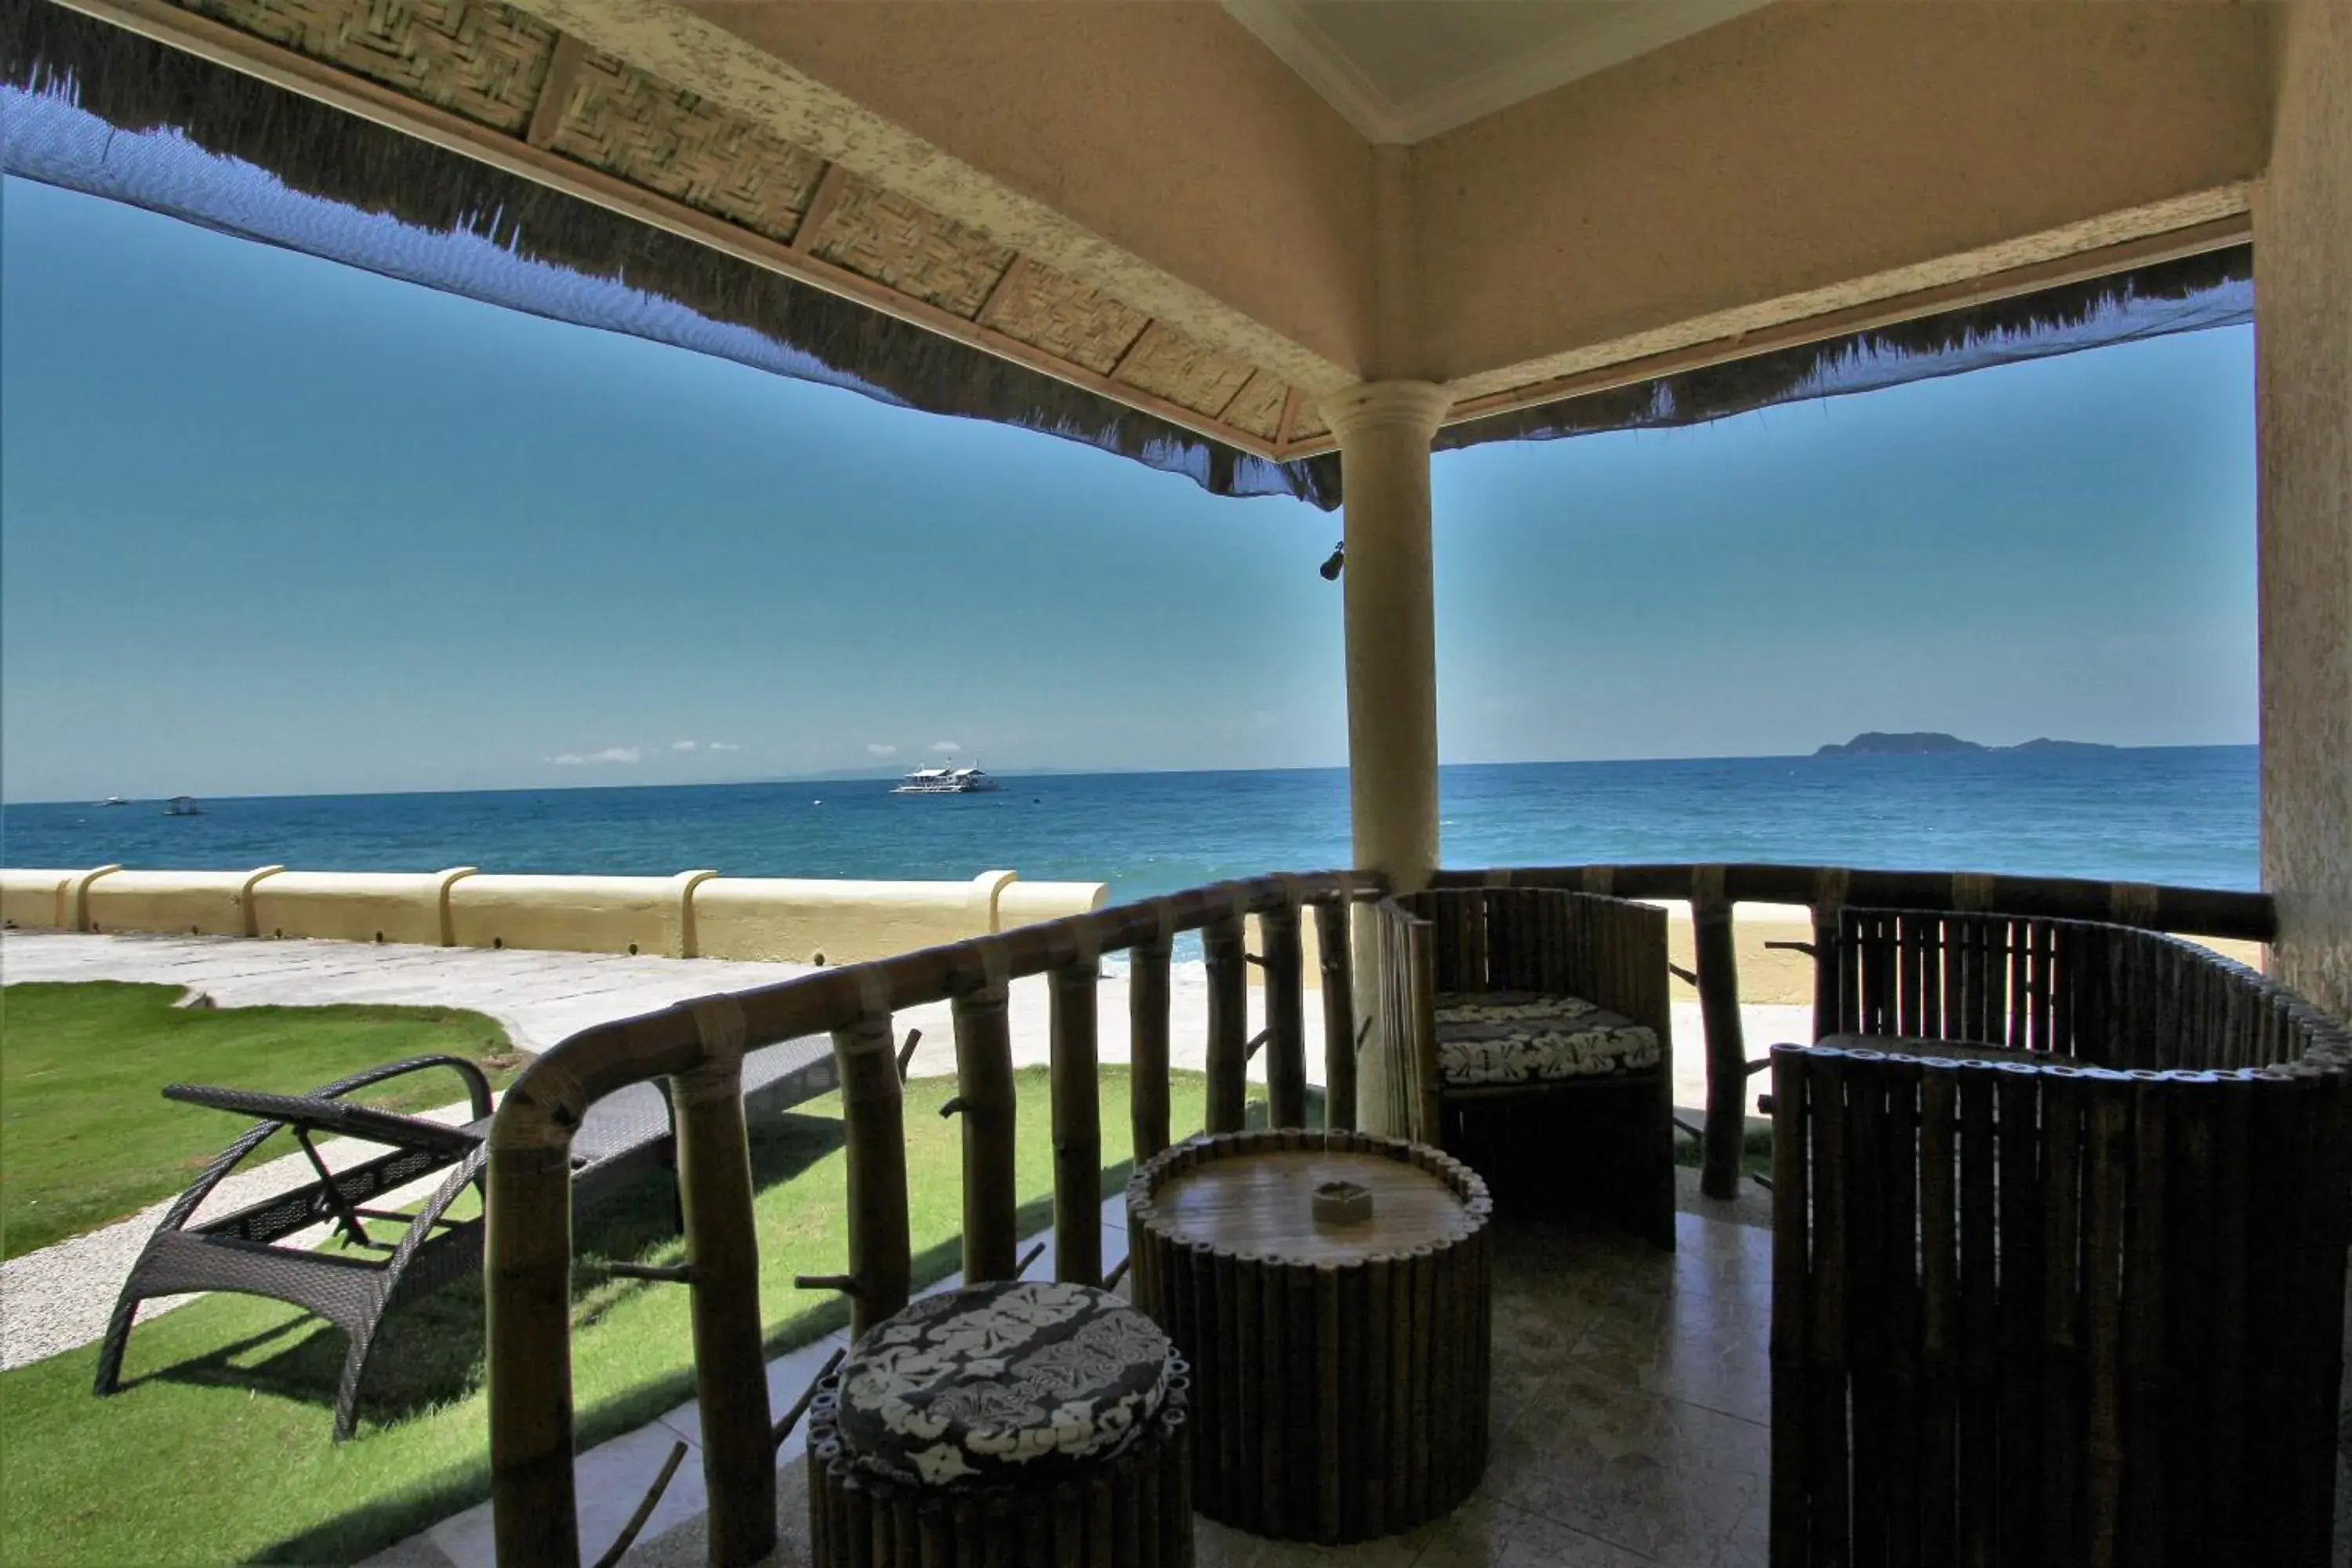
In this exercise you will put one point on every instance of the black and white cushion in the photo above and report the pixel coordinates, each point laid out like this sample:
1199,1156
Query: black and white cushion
1520,1037
989,1382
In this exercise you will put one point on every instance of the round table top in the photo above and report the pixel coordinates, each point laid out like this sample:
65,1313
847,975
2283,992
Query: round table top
1246,1201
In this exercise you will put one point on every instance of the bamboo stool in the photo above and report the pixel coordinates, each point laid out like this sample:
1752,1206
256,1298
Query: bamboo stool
1340,1365
946,1437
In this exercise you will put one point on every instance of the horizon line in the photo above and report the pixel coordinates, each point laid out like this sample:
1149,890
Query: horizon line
857,776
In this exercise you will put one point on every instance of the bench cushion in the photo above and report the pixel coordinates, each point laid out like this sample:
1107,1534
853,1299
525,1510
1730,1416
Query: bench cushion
992,1382
1525,1037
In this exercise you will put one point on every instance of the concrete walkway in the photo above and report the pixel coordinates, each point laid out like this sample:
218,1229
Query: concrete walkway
543,997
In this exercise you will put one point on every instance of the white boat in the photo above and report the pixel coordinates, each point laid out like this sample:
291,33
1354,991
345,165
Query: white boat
946,781
114,800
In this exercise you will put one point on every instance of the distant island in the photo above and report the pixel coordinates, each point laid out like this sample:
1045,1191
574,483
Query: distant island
1927,742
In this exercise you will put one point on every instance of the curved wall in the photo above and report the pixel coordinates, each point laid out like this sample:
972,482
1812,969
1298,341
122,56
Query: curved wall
692,914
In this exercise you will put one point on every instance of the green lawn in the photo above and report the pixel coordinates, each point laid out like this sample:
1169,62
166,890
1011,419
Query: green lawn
217,1450
84,1136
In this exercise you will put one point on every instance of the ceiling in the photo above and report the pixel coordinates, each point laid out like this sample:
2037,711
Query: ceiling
1404,71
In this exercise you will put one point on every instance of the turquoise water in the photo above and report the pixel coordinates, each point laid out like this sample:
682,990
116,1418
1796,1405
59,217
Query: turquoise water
2173,815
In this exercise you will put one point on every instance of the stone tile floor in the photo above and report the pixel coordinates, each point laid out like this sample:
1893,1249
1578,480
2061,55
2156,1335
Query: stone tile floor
1629,1399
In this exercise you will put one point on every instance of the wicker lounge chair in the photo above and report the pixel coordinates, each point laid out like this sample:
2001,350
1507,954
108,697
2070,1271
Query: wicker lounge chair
622,1136
1527,1031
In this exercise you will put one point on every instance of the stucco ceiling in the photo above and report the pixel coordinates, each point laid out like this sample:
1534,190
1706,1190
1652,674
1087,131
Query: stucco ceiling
1403,71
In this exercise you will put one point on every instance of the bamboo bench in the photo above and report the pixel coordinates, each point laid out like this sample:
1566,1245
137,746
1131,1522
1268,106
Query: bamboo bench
1526,1032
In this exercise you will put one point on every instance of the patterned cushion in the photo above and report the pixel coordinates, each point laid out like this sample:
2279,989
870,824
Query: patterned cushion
971,1384
1514,1036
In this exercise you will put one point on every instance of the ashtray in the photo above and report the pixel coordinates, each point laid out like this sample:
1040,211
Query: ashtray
1342,1203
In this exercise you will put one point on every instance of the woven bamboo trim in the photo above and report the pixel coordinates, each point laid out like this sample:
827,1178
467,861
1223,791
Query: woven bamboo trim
628,124
881,235
1183,371
1330,1402
668,157
484,61
1257,407
1056,312
1133,1510
555,93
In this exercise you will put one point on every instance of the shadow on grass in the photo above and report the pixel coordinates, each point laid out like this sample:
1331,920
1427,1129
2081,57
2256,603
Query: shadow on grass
440,1358
430,1352
378,1524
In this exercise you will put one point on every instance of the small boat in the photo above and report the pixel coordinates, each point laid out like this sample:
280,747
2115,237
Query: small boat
182,805
946,781
114,800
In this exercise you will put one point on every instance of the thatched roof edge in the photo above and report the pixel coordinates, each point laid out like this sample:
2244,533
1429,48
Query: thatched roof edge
138,85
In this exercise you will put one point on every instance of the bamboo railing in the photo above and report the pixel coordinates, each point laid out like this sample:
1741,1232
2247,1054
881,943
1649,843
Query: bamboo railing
1713,889
699,1047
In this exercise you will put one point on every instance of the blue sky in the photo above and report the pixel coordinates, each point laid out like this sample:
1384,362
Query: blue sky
272,525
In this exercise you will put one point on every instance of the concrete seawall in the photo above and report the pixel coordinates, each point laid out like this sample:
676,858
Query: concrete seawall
694,914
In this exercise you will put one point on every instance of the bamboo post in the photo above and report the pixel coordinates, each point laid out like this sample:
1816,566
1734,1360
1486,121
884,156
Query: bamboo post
1332,943
874,1128
984,1091
2017,1099
2107,1152
1791,1227
2060,1422
1078,1124
730,1373
1285,1018
1228,1044
1726,1050
1146,1034
528,1258
1976,1472
1828,1522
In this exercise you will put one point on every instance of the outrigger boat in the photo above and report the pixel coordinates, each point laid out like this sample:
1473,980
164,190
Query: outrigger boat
946,781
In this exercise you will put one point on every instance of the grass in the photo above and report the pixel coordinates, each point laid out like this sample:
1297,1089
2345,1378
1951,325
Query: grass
85,1138
217,1450
1755,1153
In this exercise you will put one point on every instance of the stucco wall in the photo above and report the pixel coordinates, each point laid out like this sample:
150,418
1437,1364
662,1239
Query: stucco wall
357,906
2302,303
805,921
1803,145
35,898
573,914
1030,903
198,903
1166,128
692,914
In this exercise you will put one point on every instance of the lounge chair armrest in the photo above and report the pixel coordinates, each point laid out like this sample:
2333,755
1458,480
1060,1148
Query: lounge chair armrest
477,1086
315,1113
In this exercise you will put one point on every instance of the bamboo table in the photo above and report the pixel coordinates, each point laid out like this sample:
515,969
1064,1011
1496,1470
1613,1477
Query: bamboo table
1339,1367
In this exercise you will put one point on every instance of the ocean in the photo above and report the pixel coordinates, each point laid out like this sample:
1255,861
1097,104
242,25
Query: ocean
2184,815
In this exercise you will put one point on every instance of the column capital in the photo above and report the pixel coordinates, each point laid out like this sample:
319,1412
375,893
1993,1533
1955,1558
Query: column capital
1415,405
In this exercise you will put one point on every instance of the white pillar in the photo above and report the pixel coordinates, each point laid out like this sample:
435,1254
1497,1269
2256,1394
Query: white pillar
1384,430
2303,345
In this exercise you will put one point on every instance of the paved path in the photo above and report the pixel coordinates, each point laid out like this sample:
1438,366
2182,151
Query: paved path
542,997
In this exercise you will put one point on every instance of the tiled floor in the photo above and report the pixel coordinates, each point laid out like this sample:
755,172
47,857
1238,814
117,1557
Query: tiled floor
1630,1398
